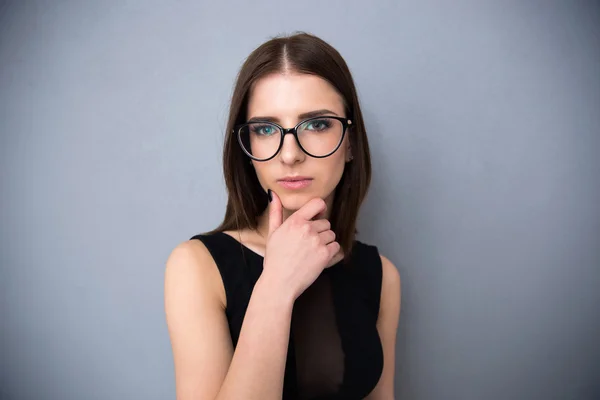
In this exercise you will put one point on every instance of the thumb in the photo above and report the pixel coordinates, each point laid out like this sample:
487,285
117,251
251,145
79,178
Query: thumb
275,212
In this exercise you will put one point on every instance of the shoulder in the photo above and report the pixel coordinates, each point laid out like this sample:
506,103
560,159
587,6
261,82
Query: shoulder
390,296
191,265
186,253
390,274
191,256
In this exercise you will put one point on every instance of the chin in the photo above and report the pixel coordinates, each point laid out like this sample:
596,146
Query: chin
294,201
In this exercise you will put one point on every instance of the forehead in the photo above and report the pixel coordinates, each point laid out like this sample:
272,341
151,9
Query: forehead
287,95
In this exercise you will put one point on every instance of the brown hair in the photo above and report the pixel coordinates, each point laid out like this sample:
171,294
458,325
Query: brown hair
307,54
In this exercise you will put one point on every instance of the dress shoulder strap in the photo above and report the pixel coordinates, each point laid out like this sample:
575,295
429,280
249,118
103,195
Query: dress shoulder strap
367,261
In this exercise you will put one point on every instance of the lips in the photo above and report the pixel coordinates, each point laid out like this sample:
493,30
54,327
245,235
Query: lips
295,182
295,179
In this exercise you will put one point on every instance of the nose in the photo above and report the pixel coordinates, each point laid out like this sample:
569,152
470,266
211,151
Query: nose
291,152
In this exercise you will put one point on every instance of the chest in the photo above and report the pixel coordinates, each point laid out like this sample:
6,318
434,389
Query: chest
334,349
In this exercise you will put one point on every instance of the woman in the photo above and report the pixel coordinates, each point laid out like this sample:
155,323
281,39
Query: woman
281,301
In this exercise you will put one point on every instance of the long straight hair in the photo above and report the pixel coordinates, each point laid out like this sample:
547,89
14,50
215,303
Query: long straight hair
306,54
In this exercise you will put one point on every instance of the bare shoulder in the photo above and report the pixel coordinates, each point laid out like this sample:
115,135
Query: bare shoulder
190,249
390,289
390,274
191,264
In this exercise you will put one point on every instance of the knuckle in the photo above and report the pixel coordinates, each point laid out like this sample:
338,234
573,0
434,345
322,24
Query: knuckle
316,240
323,252
304,230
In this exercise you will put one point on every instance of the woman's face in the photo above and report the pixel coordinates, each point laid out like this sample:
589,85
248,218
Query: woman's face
283,98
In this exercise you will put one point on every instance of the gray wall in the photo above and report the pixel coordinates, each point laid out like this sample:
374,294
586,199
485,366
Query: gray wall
484,122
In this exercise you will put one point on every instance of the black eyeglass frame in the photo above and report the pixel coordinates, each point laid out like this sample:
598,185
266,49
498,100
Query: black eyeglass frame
294,131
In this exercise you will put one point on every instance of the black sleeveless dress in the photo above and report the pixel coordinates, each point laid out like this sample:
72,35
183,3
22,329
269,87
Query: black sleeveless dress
334,350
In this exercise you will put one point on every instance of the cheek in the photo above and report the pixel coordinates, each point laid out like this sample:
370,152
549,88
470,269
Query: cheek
262,174
332,172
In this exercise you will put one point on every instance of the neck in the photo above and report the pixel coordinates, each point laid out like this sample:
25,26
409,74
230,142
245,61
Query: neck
263,219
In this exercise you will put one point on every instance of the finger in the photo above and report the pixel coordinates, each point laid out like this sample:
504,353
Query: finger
334,249
336,255
275,213
327,237
310,209
320,225
320,215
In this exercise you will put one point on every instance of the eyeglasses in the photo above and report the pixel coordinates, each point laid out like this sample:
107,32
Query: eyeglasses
318,137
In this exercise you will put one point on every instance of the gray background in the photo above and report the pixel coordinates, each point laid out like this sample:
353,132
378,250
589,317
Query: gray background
484,123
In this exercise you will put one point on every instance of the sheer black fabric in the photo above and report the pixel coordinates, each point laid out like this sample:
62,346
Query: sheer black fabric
334,349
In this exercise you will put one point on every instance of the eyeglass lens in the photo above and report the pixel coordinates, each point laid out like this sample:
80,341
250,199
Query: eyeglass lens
318,137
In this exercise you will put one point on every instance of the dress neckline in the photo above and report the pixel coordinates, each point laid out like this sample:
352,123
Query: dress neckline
260,257
246,248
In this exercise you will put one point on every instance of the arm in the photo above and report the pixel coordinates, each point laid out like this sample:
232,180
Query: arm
206,366
387,326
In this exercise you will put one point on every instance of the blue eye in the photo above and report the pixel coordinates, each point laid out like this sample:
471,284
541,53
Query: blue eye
264,130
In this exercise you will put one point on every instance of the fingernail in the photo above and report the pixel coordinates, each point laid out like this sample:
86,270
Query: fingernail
270,195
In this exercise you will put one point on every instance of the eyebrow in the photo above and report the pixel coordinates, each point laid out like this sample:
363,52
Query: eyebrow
302,116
